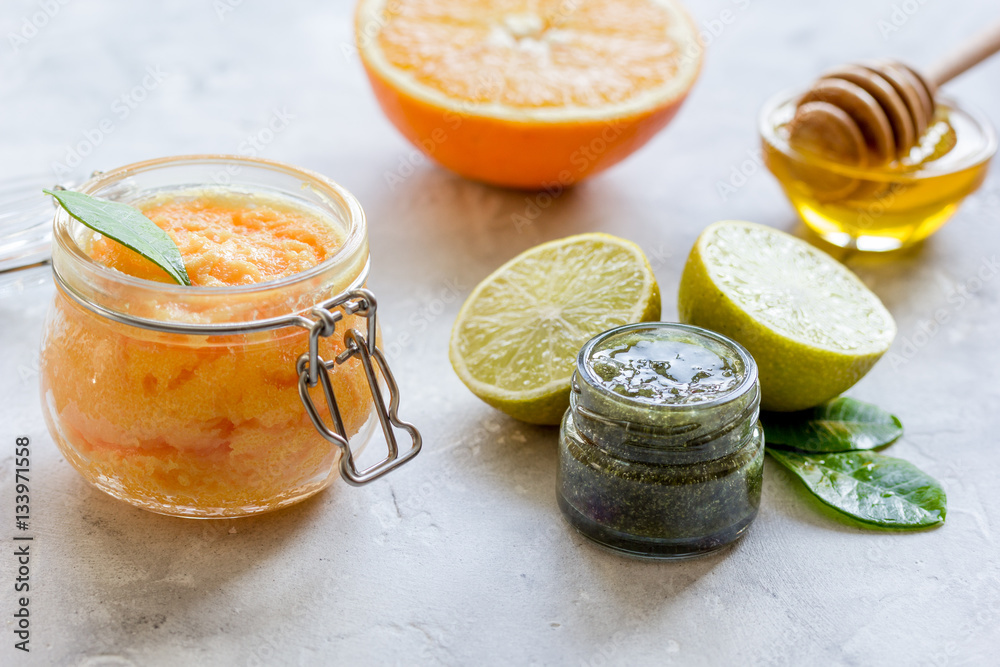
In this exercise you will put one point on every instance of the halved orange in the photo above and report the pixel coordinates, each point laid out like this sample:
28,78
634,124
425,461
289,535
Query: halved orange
528,93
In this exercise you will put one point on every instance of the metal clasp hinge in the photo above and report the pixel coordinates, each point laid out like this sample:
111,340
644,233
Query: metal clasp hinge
313,369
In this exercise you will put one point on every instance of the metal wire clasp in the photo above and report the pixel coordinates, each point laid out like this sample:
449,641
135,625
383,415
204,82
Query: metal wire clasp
313,369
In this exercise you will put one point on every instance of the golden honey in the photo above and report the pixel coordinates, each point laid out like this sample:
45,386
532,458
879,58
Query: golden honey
889,207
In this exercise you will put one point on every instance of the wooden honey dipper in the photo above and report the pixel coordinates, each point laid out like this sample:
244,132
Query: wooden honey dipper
869,114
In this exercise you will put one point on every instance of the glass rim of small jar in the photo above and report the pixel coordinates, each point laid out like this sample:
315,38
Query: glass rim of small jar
733,394
781,100
354,240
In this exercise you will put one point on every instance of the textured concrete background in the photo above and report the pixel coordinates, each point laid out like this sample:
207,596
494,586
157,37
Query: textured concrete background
462,557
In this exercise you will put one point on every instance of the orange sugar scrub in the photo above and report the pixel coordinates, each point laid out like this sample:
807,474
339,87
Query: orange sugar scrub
228,238
201,425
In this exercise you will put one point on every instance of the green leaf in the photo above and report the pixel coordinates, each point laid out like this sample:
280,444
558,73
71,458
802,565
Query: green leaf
871,487
841,425
128,226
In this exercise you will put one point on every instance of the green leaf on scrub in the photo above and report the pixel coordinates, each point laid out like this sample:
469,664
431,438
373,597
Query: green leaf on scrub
128,226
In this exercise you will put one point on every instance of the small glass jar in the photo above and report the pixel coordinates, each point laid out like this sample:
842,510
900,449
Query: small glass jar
887,207
217,401
660,453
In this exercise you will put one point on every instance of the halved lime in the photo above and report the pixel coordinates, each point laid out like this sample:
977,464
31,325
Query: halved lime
515,341
812,326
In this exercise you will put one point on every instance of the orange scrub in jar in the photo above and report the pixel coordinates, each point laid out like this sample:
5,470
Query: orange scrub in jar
202,425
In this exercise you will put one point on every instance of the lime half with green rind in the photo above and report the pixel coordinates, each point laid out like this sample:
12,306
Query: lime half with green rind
516,338
812,326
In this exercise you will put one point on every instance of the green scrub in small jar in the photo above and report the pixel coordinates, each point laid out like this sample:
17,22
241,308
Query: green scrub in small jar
661,453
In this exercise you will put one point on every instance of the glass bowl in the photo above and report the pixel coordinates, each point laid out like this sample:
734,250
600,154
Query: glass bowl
891,206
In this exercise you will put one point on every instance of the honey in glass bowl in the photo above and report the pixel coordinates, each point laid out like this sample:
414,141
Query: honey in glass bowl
887,207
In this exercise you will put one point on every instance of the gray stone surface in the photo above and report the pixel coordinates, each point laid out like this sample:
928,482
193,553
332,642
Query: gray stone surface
462,557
